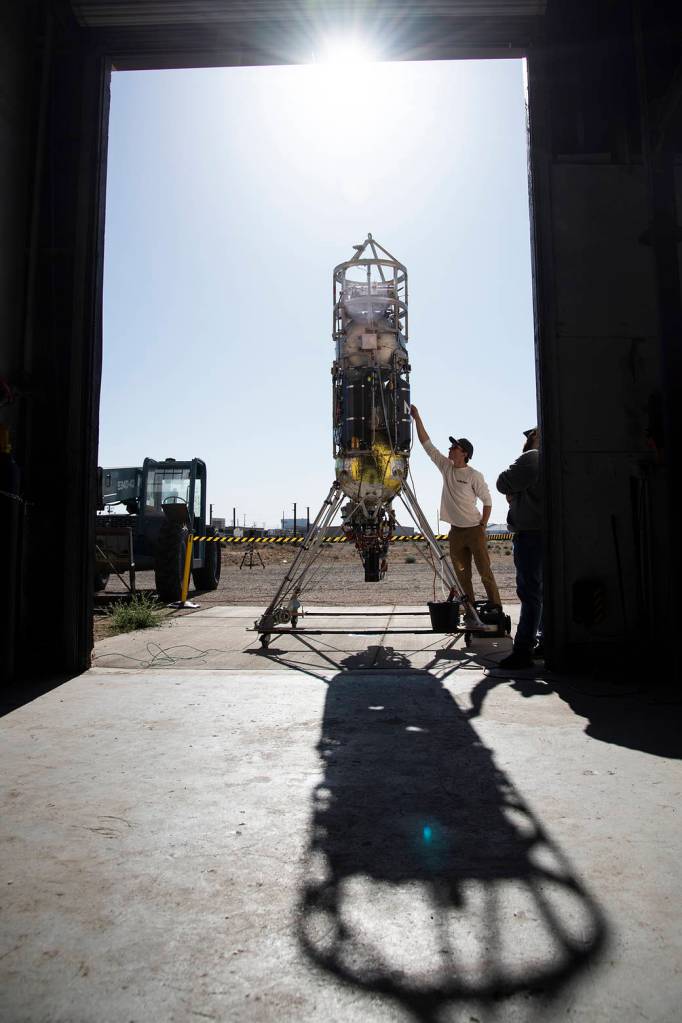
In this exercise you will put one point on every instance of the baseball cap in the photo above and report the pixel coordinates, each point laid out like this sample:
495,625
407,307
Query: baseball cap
466,445
529,433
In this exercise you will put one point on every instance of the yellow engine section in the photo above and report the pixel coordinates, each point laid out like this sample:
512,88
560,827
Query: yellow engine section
373,476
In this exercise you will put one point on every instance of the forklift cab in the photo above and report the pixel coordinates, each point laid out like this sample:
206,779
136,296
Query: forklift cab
176,490
165,502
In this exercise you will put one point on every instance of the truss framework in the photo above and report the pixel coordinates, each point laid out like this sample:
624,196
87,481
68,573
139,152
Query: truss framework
285,607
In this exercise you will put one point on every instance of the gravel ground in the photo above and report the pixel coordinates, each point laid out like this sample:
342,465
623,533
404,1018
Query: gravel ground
337,578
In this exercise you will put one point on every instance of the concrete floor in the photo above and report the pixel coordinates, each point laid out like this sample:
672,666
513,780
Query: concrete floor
343,828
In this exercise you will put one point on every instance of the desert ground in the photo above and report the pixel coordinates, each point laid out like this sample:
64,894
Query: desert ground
337,578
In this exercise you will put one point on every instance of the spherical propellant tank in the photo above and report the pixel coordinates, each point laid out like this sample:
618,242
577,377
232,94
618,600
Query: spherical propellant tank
371,392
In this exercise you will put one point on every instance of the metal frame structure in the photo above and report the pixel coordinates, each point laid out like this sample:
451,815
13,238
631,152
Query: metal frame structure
399,280
285,608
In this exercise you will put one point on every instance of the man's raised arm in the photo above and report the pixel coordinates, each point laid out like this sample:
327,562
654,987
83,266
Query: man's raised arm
436,456
421,429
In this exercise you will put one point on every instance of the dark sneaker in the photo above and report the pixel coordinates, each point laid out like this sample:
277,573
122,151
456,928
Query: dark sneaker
515,660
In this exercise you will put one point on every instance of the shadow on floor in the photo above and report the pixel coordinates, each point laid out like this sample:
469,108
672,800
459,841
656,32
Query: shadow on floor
527,686
646,720
25,690
445,657
428,879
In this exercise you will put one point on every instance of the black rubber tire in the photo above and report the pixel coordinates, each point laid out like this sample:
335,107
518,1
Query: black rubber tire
208,577
169,561
101,580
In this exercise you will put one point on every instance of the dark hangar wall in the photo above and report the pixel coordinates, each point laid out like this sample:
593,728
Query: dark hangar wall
604,91
604,138
54,114
17,105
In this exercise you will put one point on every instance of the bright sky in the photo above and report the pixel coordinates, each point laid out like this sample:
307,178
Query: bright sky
233,192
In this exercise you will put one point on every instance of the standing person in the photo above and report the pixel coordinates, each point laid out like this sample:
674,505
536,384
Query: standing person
462,486
521,483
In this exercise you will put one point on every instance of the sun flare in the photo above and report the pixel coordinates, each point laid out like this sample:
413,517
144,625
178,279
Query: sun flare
346,52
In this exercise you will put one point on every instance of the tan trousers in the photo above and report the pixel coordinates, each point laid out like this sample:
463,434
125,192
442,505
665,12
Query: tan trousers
465,542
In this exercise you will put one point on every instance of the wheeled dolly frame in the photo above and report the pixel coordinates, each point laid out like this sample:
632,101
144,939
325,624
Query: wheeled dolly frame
284,609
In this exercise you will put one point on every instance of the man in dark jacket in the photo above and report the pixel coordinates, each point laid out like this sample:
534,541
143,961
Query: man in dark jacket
521,483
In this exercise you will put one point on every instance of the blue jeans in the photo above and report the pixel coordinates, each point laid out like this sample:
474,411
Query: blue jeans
528,564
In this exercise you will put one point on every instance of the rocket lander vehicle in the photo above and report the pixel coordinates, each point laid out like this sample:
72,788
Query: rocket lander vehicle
372,426
372,432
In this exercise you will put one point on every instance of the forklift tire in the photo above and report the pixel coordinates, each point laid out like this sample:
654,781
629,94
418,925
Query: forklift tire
101,580
208,577
169,560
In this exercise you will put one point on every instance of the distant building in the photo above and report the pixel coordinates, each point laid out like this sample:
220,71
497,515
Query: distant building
245,531
288,525
218,523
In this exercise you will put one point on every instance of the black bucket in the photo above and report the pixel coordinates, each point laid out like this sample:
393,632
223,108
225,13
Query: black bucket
444,615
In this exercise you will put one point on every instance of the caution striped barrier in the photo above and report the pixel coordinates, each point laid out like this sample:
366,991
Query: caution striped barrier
415,537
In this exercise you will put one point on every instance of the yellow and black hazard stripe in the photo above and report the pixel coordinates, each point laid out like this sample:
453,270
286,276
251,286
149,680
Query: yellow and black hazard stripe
415,537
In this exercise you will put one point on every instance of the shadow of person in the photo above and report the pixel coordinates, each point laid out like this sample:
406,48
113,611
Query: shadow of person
427,877
527,687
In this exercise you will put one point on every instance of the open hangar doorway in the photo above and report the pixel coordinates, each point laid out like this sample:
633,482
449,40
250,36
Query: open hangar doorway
231,195
604,124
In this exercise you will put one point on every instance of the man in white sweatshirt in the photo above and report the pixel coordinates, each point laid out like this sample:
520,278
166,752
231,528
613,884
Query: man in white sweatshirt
462,487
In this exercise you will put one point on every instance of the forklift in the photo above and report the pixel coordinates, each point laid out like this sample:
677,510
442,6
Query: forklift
164,503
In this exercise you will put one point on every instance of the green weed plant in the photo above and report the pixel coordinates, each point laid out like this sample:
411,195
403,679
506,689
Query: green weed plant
141,612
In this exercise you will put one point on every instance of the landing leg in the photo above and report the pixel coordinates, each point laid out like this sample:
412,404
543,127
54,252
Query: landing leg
279,611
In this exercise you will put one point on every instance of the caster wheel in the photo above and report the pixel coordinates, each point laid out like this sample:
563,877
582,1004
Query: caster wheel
467,639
